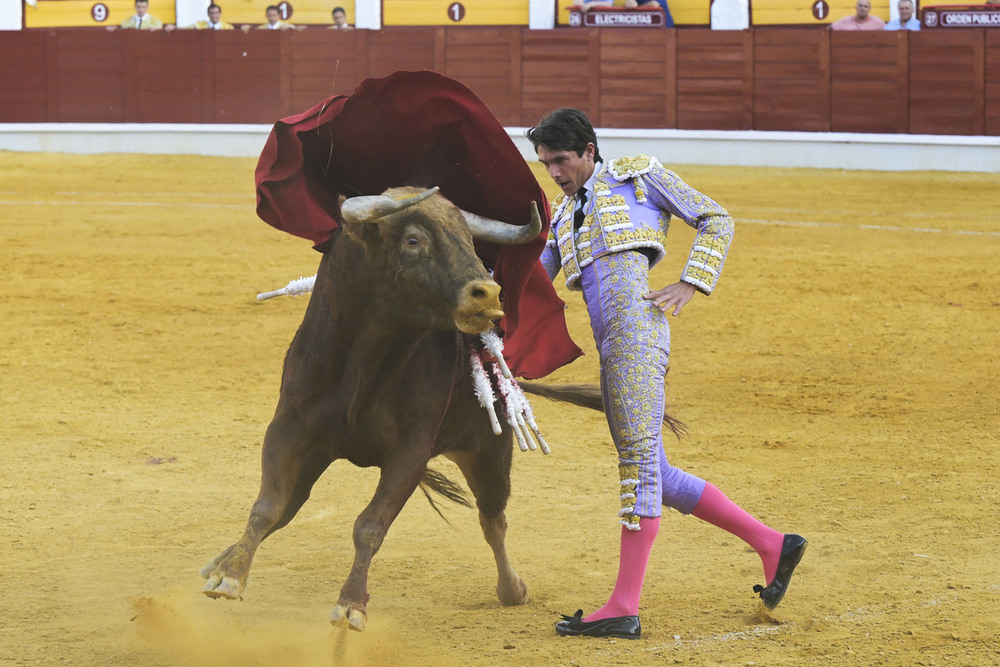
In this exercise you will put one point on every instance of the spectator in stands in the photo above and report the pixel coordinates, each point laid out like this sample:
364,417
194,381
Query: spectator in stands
274,22
340,20
906,20
861,20
214,21
142,19
632,4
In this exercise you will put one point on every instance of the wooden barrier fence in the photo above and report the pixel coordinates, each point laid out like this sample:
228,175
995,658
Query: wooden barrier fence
933,82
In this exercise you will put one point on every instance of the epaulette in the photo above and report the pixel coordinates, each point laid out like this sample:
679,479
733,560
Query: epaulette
625,168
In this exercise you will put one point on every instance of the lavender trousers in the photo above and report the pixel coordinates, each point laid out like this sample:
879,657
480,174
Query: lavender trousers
633,340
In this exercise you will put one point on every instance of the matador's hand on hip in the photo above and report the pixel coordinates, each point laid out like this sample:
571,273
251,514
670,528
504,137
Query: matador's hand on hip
672,296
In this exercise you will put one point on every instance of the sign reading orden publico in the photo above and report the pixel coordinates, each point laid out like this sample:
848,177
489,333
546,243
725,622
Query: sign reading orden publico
616,19
961,16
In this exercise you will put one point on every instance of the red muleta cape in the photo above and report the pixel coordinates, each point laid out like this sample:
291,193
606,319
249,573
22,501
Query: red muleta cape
421,129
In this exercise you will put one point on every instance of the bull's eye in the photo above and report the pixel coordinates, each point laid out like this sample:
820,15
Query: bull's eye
412,240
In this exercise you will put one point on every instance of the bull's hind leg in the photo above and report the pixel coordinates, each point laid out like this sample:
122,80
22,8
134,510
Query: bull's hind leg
488,475
400,477
290,467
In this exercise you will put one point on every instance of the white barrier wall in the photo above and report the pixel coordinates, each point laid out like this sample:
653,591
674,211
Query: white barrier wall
152,138
879,152
820,150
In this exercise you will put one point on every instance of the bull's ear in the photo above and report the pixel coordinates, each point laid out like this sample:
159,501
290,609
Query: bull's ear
362,233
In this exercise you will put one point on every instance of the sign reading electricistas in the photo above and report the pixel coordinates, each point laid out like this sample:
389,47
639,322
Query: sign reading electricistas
616,19
961,16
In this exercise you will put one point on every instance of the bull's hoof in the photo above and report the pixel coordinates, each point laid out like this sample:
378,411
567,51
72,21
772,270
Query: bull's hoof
348,617
513,592
219,586
207,571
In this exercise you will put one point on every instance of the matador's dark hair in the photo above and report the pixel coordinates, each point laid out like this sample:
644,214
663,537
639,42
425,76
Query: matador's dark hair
565,129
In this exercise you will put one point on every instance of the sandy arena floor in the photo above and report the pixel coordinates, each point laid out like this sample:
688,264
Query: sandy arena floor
838,384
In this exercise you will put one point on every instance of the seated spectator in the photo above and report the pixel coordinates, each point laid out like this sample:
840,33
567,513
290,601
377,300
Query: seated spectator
906,20
587,5
274,22
340,20
861,20
214,21
142,19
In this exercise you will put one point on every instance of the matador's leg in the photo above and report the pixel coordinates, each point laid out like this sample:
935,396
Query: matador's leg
633,339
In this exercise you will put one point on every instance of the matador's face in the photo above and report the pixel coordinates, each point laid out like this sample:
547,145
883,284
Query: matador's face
569,170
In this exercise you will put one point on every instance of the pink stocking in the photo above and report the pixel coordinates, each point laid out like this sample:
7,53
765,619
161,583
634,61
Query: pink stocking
632,560
718,510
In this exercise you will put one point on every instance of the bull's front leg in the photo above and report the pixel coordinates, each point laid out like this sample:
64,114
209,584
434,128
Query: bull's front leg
488,475
291,464
227,573
399,479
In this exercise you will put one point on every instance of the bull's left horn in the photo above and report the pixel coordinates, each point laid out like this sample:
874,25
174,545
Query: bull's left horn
496,231
371,208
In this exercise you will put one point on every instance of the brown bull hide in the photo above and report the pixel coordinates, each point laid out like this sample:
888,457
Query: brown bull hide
377,374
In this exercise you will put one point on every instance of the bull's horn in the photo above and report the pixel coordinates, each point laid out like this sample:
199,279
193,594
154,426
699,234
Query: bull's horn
501,232
371,208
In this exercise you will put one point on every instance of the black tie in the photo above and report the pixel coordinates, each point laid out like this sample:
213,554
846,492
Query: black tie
579,215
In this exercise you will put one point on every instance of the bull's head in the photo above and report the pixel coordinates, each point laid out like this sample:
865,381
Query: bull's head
424,244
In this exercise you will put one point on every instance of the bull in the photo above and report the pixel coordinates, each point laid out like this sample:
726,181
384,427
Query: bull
377,374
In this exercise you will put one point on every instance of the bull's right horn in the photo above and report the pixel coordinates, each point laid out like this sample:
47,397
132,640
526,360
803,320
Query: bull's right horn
371,208
503,233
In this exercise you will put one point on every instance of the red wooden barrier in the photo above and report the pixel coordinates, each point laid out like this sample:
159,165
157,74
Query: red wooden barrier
991,90
868,82
715,80
941,82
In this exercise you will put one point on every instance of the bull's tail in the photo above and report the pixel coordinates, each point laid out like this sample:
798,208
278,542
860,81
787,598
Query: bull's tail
587,396
444,487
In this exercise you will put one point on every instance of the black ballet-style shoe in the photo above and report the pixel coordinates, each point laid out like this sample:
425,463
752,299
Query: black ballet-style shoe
623,627
792,549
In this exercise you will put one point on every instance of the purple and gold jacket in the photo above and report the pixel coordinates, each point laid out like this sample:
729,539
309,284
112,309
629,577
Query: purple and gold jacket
629,204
